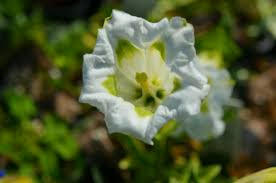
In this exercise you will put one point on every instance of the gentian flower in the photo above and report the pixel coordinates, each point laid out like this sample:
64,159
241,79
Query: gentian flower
142,74
208,123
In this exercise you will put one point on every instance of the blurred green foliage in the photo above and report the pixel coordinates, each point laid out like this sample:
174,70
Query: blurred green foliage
37,141
31,148
158,165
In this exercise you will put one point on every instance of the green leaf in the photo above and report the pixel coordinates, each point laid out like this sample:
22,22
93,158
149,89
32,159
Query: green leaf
19,105
209,173
59,138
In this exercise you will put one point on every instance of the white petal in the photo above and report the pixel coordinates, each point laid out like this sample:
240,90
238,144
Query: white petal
161,116
208,124
103,49
219,79
120,116
98,66
186,101
94,74
181,54
202,126
191,75
222,85
180,44
134,29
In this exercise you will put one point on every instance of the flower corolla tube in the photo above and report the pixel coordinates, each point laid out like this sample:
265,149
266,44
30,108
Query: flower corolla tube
142,75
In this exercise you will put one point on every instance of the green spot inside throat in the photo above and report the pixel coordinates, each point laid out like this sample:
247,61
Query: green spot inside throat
125,50
160,46
176,84
110,84
204,106
143,112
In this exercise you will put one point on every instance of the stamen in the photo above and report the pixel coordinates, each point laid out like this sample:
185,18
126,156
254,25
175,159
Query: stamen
141,77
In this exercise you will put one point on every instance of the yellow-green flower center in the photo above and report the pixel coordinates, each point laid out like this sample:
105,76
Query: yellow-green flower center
150,90
142,76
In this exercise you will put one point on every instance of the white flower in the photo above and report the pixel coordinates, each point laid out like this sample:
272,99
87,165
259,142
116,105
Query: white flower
208,123
142,74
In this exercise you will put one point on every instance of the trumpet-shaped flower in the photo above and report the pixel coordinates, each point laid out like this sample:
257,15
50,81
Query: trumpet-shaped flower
142,74
208,123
